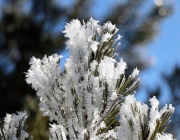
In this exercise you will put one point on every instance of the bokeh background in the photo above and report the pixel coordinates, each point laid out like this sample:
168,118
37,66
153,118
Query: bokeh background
151,42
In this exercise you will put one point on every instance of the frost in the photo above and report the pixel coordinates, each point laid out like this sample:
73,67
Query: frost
106,68
88,98
106,37
91,99
118,37
164,137
132,113
102,124
135,72
14,127
113,96
120,68
94,45
93,65
110,27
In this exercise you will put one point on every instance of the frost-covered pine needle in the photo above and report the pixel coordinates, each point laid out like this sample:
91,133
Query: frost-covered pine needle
92,99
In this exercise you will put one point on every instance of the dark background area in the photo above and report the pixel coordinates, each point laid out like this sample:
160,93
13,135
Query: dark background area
34,28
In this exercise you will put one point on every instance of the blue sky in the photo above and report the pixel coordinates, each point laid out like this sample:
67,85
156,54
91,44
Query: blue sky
165,49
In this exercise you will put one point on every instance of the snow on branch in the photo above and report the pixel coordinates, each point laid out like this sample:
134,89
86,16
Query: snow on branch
13,127
92,99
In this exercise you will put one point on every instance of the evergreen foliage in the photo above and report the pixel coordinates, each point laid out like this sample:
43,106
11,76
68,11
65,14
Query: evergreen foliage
13,127
91,99
25,33
173,82
29,28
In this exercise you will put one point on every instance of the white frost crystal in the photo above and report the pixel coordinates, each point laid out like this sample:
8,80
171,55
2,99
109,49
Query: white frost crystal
92,99
83,99
14,127
135,72
131,112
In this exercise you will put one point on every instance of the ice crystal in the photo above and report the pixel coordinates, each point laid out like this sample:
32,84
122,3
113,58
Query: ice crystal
91,99
87,99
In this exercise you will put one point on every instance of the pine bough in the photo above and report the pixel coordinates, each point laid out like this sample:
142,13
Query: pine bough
91,99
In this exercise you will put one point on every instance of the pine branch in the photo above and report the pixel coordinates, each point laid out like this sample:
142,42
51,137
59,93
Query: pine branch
92,99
